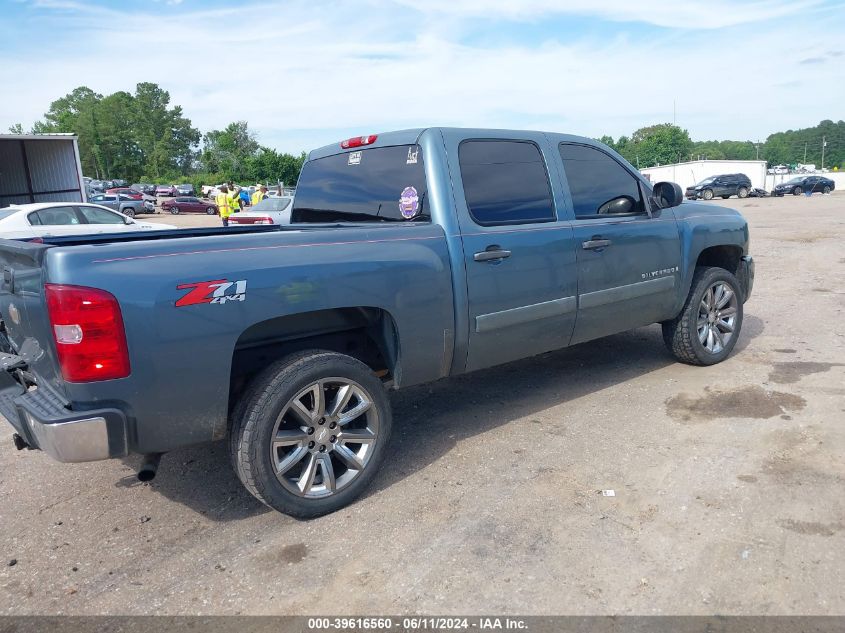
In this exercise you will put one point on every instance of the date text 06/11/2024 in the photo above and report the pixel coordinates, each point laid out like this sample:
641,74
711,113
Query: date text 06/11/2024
417,623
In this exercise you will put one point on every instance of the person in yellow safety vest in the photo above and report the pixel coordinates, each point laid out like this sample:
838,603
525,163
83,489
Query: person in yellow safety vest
223,204
235,199
259,195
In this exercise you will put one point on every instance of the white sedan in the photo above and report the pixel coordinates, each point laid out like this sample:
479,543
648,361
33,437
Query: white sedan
46,219
269,211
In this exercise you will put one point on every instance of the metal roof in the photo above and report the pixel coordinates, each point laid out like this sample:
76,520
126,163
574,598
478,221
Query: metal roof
53,136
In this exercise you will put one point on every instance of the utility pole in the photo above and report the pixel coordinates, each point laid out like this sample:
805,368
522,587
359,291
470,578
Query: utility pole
824,144
758,149
805,152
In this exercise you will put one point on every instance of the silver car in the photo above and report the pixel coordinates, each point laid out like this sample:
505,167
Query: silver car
123,204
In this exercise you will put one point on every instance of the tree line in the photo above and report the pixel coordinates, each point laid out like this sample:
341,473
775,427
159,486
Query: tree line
141,137
664,144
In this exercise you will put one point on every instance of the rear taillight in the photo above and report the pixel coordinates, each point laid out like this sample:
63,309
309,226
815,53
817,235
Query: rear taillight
263,221
89,334
358,141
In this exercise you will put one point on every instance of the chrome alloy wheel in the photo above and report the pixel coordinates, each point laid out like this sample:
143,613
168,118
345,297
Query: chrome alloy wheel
717,316
324,437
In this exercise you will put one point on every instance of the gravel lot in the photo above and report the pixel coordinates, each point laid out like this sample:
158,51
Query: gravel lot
729,484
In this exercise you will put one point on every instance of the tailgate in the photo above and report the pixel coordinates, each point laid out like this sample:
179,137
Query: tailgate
25,324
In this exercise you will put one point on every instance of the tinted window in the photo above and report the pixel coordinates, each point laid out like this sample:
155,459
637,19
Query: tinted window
55,216
380,184
595,178
100,216
505,182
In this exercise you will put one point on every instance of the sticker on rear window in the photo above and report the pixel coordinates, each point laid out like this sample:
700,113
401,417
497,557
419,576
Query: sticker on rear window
355,158
409,203
412,156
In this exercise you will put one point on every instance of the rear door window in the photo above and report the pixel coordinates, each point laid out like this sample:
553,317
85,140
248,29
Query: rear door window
379,184
505,182
54,216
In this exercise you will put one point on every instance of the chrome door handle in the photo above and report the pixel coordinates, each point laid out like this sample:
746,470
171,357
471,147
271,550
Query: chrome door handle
491,255
595,244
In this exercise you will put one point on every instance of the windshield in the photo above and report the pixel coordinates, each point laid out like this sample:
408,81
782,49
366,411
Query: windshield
5,213
379,184
794,181
706,181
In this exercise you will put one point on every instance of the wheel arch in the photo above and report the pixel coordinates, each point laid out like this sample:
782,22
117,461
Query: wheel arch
367,333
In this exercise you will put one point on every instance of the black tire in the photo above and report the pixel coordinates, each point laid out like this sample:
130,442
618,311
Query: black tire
128,212
742,192
797,191
256,413
707,194
826,190
174,210
681,333
211,211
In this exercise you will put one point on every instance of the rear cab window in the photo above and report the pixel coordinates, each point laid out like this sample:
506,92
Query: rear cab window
377,184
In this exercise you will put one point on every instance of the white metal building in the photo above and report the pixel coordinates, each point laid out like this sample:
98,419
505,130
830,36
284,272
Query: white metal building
686,174
40,168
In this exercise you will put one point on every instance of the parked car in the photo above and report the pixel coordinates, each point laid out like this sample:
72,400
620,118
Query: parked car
123,204
778,170
802,184
97,186
166,190
726,185
185,190
188,204
286,341
269,211
126,191
145,188
119,182
46,219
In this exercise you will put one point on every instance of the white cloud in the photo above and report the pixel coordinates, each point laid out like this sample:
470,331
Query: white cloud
304,74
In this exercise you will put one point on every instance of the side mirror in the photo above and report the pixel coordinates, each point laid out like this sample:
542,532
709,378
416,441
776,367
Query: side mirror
667,195
617,206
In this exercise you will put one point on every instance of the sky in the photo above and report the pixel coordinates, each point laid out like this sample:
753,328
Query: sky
305,73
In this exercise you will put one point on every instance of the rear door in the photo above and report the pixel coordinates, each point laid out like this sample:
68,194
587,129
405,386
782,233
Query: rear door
519,256
628,253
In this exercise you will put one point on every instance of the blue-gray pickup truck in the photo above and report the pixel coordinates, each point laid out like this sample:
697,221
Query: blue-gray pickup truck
410,256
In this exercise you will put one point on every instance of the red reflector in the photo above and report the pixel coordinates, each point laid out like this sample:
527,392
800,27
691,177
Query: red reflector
37,240
89,334
358,141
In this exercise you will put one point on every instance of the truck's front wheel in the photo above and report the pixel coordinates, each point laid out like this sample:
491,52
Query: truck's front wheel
706,330
310,433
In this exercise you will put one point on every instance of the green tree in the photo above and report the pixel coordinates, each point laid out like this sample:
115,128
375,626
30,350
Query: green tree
659,144
230,150
17,128
123,134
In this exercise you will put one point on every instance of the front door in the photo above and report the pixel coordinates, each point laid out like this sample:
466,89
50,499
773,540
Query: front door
519,258
628,255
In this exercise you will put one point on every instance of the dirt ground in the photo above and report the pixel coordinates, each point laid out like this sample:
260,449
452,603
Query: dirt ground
728,484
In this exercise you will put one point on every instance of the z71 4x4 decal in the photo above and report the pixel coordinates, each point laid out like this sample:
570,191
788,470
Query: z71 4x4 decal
215,291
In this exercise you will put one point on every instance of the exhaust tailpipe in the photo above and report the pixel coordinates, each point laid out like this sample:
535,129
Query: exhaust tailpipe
149,467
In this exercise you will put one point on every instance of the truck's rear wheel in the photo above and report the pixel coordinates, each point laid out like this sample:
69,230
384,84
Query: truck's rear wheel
706,330
310,433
